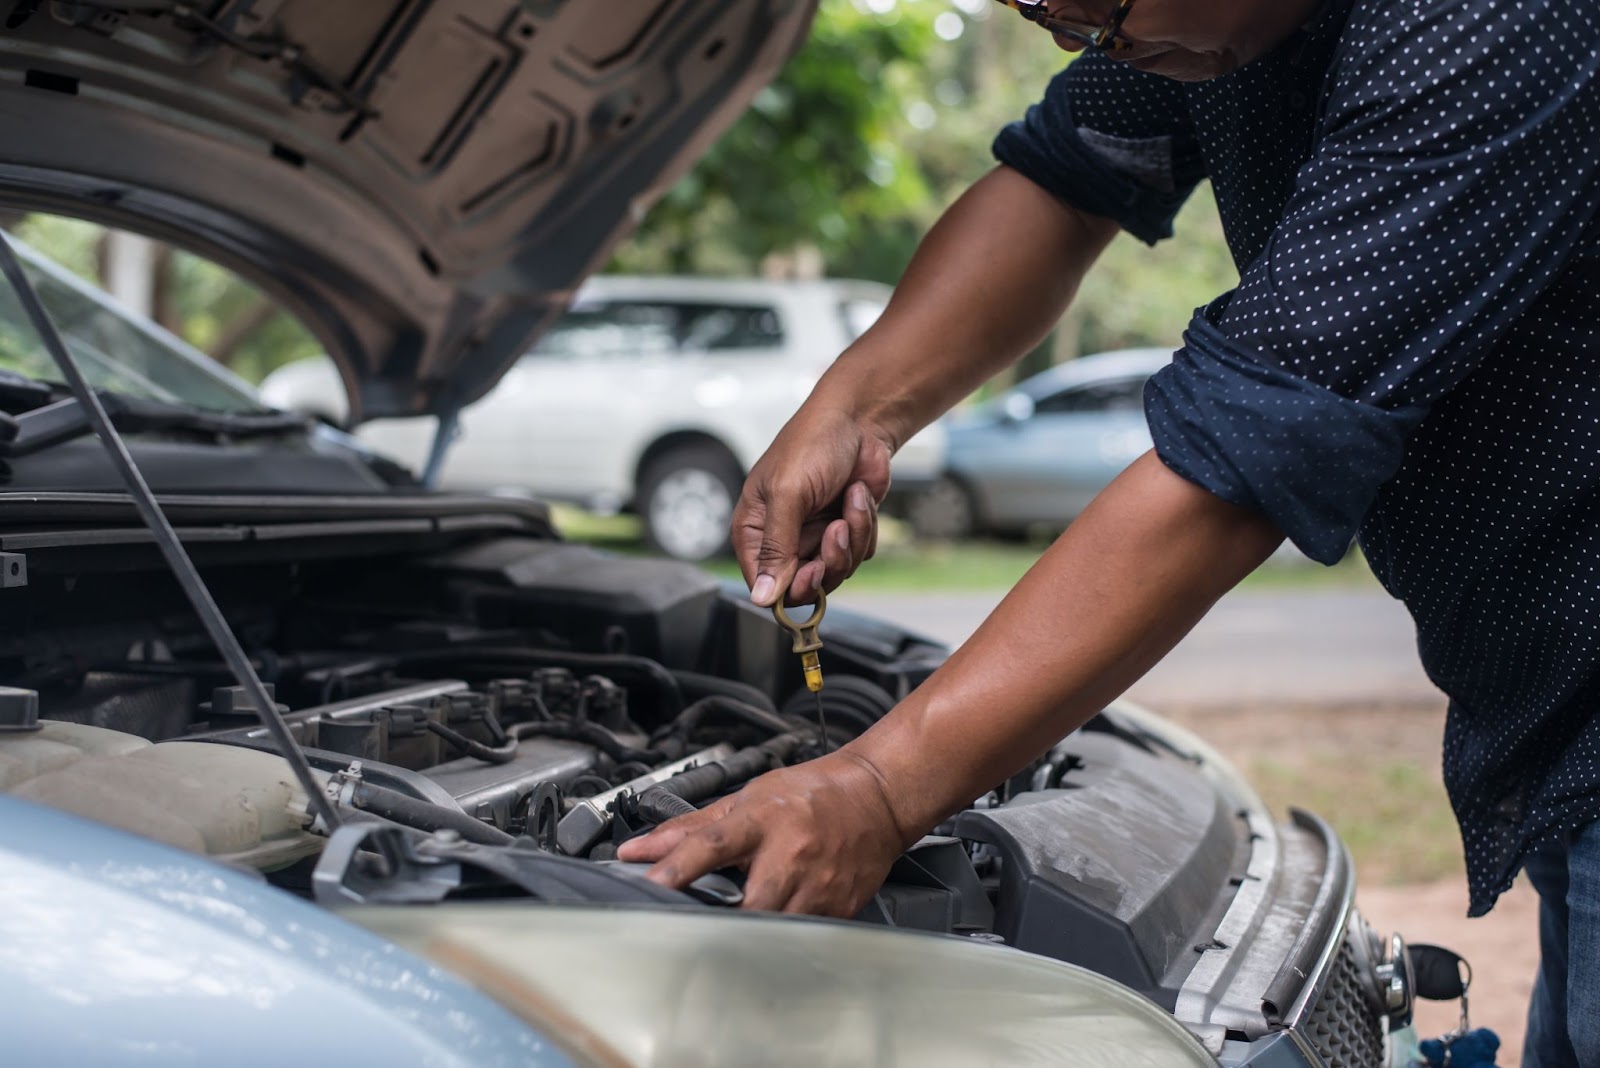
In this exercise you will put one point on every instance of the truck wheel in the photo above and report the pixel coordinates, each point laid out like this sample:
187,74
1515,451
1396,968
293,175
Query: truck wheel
944,511
686,499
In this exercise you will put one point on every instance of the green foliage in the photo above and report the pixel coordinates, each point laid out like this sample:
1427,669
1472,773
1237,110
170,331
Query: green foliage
876,126
70,242
208,306
1138,296
816,159
212,306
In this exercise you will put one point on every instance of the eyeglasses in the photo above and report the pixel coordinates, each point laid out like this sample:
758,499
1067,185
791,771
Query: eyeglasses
1102,37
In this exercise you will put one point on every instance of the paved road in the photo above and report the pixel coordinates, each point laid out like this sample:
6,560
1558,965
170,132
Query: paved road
1256,647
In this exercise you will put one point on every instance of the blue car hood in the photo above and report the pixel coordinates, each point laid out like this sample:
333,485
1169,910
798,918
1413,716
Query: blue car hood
116,951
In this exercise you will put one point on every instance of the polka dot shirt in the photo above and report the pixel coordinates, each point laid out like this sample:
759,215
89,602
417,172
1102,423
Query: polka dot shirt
1412,356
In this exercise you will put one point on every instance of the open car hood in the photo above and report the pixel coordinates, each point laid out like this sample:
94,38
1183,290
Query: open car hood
423,182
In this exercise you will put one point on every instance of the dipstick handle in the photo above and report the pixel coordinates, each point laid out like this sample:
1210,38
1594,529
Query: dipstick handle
807,644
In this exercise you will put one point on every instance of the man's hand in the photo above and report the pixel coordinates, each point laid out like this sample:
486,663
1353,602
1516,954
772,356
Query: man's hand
808,516
818,838
1108,600
986,285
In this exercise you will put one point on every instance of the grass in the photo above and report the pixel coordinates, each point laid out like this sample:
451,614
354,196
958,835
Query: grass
906,565
1371,770
1393,814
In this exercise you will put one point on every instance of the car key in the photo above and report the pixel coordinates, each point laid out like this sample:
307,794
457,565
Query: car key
1439,974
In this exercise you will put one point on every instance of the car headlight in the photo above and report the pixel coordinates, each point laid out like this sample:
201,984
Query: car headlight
660,989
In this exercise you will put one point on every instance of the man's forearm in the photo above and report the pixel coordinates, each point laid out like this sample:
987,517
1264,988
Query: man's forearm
987,284
1102,606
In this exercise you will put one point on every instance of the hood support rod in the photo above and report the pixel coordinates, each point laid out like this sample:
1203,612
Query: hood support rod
443,437
166,538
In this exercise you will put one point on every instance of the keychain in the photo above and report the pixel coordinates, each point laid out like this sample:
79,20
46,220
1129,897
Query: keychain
1441,975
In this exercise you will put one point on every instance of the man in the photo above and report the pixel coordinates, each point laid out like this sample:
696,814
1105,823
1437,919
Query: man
1412,355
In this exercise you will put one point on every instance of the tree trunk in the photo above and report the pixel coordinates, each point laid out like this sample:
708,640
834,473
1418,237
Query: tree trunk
164,291
238,330
128,264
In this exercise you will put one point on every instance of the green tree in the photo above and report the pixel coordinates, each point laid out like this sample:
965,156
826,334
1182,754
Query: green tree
880,121
208,306
818,160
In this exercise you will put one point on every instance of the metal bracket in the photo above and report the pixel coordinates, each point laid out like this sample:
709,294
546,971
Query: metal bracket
367,862
448,430
13,569
373,863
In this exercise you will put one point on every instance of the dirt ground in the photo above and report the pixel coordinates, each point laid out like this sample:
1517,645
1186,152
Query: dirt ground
1373,771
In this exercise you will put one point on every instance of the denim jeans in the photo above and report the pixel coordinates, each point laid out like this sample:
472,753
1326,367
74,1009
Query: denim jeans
1564,1015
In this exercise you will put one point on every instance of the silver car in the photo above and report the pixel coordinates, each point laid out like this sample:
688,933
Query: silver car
1038,455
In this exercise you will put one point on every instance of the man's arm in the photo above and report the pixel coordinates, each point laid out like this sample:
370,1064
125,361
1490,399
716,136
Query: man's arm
1127,581
1129,578
987,283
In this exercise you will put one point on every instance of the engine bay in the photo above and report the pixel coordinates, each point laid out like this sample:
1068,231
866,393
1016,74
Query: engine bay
494,717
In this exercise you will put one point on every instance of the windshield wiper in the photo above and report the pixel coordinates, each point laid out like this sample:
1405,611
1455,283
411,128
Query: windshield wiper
166,538
19,393
66,419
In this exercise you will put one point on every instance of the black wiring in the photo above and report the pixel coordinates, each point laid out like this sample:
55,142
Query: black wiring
256,46
503,754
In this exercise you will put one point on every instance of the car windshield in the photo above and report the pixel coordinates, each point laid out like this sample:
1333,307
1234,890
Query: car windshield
118,351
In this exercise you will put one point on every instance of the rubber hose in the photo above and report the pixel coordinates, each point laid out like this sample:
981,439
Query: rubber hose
592,734
425,816
504,754
656,805
696,685
686,721
652,671
707,780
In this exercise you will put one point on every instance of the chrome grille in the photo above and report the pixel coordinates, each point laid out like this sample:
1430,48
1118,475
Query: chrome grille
1343,1029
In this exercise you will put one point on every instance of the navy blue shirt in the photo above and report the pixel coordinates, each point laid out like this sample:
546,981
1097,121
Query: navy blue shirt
1412,356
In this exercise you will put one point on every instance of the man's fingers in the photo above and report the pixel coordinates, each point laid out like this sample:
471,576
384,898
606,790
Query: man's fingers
837,557
749,520
661,841
803,590
765,536
861,517
720,844
777,541
648,848
771,884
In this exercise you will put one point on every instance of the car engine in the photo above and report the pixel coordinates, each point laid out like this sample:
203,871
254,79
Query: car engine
494,715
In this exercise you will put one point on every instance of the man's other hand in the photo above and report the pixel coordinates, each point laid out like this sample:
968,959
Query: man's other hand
818,838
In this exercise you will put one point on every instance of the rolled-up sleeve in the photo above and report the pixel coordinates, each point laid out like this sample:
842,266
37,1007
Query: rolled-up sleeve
1111,141
1454,175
